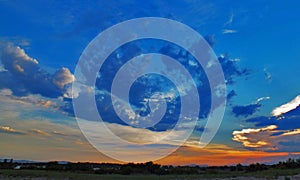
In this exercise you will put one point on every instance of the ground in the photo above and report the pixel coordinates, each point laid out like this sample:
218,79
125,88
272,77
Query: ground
292,174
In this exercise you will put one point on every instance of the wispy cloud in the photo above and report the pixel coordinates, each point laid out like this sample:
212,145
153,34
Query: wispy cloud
230,20
59,133
2,69
39,132
262,99
10,130
286,107
268,75
229,31
35,99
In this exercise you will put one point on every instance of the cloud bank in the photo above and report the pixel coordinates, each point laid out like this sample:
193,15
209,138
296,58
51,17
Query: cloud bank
273,133
24,76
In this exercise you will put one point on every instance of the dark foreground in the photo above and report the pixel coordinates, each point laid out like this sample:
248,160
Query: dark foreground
283,174
10,169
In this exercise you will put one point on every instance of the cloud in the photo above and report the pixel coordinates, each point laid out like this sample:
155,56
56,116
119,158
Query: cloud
286,107
145,136
250,109
32,99
293,132
254,138
262,99
39,132
9,130
5,92
246,110
2,68
17,61
229,31
230,20
288,121
63,77
24,76
30,133
231,94
231,69
59,133
272,134
268,75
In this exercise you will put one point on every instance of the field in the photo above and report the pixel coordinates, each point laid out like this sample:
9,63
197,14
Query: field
284,174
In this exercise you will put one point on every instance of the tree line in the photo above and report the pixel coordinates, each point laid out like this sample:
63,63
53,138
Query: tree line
143,168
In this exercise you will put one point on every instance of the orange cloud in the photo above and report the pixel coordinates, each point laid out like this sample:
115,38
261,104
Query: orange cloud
39,132
293,132
10,130
220,155
266,138
250,138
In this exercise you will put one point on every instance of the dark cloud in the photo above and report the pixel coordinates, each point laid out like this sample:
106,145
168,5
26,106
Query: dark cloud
24,75
290,120
245,111
67,107
294,112
231,69
231,94
6,81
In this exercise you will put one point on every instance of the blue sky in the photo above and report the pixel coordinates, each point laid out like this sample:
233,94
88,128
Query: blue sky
256,43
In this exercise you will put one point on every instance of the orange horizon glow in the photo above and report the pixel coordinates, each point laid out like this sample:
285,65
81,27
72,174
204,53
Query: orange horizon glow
217,157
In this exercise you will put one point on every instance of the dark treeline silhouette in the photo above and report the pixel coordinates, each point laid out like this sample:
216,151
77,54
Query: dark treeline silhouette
141,168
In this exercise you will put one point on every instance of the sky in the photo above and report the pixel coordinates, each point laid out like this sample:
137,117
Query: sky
255,43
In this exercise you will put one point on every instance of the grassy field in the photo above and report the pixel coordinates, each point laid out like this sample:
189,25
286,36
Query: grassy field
41,174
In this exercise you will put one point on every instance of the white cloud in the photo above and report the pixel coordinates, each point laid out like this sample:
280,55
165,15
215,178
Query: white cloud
286,107
230,20
229,31
262,98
